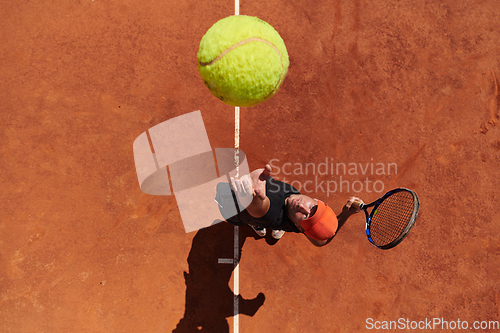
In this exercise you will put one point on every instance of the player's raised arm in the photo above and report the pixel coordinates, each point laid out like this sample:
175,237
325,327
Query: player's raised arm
252,188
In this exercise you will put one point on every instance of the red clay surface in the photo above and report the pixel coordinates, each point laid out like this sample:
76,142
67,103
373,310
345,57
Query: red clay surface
82,249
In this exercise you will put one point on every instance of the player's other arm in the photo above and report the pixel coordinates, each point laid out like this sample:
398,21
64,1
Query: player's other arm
253,187
259,206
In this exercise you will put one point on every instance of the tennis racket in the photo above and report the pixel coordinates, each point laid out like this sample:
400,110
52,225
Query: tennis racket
391,217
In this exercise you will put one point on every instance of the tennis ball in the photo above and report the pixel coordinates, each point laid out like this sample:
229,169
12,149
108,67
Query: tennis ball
242,60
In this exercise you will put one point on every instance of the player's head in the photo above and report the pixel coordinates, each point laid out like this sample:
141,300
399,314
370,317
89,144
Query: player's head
311,216
300,207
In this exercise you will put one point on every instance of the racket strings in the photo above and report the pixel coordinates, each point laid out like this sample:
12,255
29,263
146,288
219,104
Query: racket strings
391,218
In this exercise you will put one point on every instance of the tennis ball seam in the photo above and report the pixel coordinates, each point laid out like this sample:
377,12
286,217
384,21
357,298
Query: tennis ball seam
229,49
253,39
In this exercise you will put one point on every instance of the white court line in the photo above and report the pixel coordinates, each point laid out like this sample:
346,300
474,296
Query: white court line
236,288
226,261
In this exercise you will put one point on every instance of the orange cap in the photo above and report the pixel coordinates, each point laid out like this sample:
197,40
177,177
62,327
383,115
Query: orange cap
322,225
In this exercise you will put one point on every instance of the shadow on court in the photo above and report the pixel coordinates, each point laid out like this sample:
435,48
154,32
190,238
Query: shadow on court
209,298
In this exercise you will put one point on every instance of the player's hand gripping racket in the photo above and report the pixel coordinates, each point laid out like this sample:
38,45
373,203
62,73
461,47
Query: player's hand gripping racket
391,218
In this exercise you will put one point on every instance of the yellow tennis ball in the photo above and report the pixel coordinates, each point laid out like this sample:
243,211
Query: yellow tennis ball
242,60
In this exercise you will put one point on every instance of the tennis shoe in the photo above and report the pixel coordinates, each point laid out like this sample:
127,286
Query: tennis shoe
259,231
277,234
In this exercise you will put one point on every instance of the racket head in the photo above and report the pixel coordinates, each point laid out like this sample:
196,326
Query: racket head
391,218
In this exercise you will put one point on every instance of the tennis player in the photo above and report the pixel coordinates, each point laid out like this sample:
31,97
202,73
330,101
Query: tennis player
280,207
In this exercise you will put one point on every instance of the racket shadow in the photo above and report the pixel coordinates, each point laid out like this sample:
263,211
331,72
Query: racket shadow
209,298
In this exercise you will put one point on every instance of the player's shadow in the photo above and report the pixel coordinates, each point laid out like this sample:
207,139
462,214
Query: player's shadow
209,299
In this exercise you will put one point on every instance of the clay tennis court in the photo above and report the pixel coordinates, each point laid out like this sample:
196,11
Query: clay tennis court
406,91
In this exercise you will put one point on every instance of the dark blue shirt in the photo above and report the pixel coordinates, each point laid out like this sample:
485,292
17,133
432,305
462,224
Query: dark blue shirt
276,217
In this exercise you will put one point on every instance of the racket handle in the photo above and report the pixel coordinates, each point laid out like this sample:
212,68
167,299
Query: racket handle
357,204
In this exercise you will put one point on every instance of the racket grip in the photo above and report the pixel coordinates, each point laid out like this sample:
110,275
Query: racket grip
357,204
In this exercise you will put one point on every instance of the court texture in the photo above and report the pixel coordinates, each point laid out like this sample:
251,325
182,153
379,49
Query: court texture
379,94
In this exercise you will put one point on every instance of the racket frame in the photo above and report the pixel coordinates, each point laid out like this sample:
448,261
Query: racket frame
377,203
